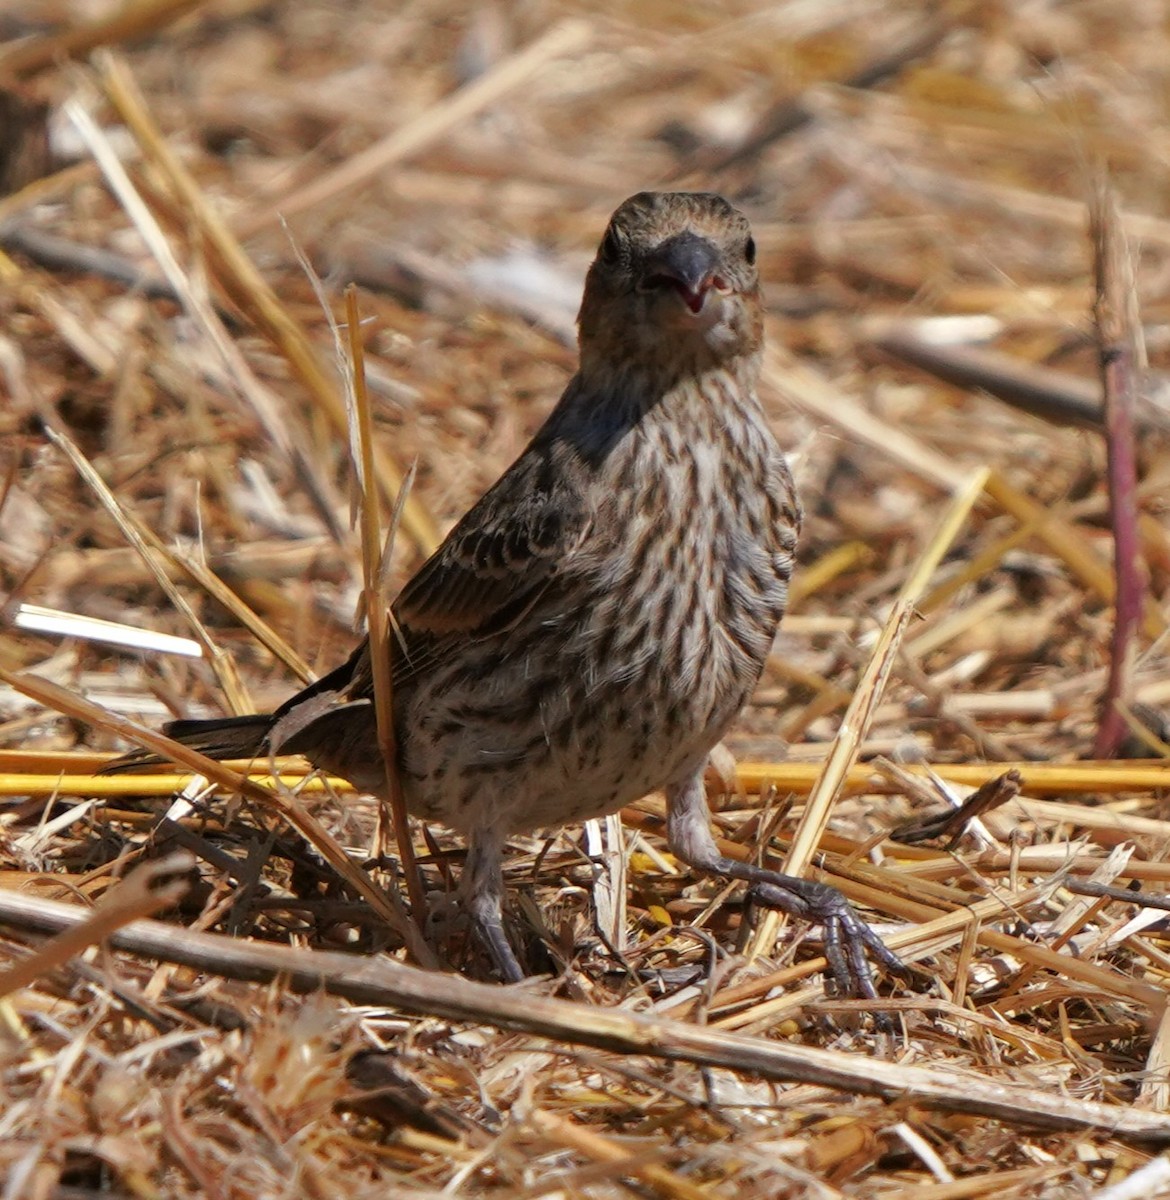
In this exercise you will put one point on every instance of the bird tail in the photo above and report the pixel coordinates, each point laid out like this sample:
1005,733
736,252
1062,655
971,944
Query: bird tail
220,738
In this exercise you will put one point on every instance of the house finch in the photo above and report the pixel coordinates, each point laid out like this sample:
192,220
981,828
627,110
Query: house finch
592,627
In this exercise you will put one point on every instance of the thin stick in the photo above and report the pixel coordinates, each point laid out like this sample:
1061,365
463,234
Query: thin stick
107,787
377,616
381,981
36,773
1082,778
1117,347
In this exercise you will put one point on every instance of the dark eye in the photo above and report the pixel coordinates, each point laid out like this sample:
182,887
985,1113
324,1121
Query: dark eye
749,251
611,247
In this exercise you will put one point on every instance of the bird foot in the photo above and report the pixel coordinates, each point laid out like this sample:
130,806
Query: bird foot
494,940
448,918
849,941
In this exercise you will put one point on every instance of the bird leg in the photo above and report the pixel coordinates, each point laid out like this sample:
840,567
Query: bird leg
847,936
482,890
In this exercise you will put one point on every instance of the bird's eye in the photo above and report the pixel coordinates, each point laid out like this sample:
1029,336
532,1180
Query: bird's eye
611,247
749,251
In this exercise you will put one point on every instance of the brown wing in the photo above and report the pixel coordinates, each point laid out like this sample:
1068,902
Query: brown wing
501,556
497,561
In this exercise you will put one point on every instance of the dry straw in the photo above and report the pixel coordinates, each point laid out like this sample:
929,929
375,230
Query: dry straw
173,456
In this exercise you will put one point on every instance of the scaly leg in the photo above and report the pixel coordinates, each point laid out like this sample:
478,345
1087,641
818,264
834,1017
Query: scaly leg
847,936
482,890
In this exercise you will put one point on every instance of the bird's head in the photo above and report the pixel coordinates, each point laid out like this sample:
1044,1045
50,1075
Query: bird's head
674,286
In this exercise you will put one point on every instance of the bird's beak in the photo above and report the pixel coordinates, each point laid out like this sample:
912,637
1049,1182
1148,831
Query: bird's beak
685,262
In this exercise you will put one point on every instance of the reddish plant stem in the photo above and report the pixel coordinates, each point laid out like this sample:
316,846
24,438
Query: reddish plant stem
1117,350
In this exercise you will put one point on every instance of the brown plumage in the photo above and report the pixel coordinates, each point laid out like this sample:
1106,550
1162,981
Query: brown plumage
592,627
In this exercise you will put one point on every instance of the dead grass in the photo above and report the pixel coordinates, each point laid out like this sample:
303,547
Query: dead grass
175,456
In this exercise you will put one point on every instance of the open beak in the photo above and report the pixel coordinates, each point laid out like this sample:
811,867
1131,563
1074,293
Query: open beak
687,263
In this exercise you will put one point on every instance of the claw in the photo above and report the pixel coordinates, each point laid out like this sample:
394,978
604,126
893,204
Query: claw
495,941
847,936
